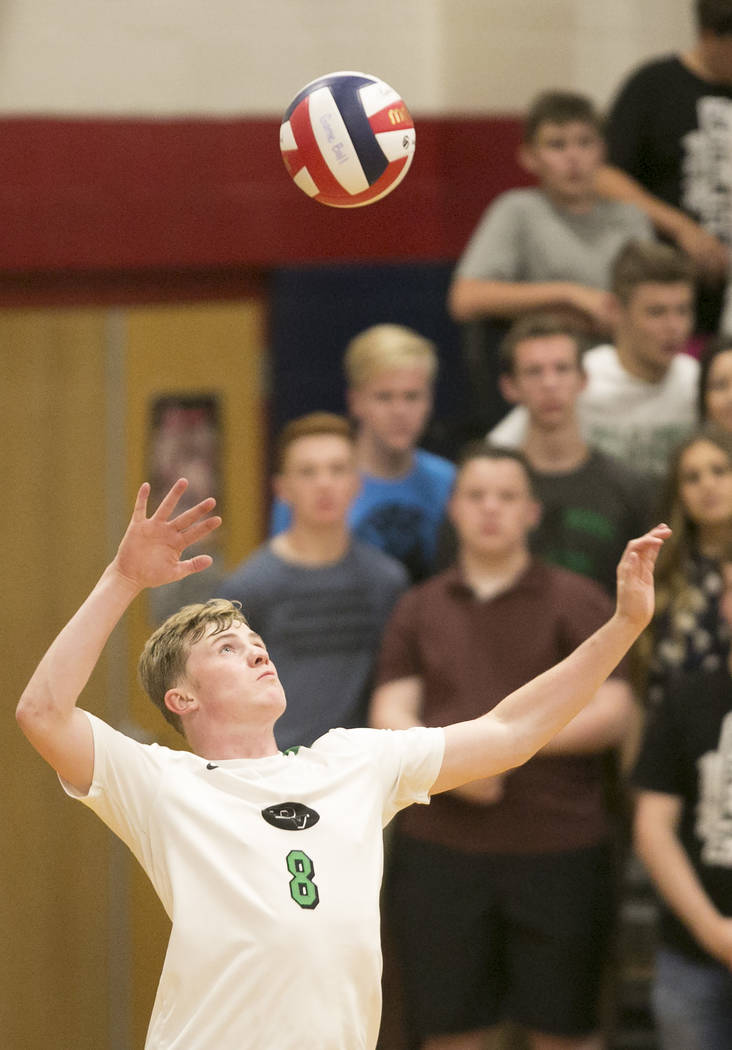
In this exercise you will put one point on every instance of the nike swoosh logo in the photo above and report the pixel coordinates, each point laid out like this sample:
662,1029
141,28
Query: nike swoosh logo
211,765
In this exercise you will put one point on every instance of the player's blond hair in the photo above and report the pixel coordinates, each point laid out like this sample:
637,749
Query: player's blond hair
163,661
386,346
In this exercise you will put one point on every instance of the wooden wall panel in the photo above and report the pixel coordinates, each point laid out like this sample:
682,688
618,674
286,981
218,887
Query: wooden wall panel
82,932
53,863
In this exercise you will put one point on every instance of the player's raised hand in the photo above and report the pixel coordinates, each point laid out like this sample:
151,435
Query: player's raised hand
635,576
151,548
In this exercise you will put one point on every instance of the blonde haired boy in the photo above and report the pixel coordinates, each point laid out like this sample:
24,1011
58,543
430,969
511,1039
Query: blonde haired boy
385,346
390,373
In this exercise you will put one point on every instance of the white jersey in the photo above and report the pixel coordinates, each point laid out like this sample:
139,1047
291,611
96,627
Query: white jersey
270,871
626,417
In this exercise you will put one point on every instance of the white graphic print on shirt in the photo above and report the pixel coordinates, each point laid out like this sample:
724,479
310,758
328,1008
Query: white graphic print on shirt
714,811
707,167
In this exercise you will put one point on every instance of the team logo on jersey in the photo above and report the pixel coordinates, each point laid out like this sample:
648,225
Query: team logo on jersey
290,816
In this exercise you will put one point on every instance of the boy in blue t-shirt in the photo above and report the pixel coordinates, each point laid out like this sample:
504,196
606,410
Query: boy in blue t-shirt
390,373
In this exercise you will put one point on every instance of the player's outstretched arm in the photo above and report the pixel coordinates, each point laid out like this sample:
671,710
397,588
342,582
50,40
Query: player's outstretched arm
148,556
529,717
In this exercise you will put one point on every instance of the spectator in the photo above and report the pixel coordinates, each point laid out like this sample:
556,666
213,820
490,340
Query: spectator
545,248
669,134
550,247
514,872
682,832
591,504
715,383
320,596
641,393
686,633
390,373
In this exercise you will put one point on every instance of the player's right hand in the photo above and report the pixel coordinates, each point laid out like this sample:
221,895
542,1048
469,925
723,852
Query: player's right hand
151,548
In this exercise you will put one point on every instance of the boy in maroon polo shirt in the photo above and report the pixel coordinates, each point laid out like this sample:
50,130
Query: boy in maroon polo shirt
514,871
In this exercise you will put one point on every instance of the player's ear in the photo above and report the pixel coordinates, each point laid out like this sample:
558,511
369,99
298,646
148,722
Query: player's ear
508,388
177,701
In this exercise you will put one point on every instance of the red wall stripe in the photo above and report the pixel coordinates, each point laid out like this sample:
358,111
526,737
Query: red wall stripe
123,195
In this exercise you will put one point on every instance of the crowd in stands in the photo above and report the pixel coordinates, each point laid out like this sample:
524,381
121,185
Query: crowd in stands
400,589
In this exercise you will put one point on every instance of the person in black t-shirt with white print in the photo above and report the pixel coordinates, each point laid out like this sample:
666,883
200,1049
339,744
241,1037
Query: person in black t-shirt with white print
669,143
683,834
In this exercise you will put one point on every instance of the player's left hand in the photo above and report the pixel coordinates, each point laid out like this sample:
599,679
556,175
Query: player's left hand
636,596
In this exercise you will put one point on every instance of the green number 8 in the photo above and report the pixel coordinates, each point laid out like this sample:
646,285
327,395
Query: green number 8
302,888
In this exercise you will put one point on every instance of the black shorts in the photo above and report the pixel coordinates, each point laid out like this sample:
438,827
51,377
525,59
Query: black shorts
483,938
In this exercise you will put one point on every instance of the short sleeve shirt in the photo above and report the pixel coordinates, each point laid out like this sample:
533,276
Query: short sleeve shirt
682,152
400,516
523,236
638,422
270,871
469,654
687,752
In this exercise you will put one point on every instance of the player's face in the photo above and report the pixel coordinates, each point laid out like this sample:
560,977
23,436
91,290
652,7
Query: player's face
393,407
492,508
547,379
718,396
565,159
705,484
232,680
655,325
319,479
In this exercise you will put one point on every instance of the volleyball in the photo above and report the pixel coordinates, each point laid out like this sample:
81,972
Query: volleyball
347,139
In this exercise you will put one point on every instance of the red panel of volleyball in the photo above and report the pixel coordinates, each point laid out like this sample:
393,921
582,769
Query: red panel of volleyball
347,139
